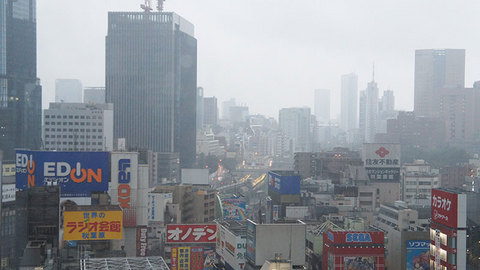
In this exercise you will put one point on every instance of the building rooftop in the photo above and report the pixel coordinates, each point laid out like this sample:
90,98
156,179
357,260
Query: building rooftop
238,228
133,263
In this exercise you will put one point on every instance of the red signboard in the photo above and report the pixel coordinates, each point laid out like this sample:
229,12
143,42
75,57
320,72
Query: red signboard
191,233
444,208
142,241
354,237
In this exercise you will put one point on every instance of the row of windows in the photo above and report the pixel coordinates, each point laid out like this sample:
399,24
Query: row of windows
72,117
76,143
72,123
71,149
74,129
423,190
71,136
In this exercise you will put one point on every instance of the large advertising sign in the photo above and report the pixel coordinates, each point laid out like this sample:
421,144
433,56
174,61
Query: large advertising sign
445,208
77,173
92,225
8,193
382,161
191,233
251,234
418,254
360,237
359,263
234,208
192,258
142,241
284,184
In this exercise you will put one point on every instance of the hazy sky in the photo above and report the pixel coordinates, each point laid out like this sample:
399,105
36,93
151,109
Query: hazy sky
270,54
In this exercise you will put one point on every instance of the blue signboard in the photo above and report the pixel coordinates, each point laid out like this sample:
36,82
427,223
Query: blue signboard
251,235
418,254
77,173
284,184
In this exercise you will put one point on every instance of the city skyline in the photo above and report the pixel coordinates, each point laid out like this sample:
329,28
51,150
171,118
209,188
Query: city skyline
253,70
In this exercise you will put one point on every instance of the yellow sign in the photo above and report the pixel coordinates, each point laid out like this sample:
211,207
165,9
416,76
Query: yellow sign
92,225
183,258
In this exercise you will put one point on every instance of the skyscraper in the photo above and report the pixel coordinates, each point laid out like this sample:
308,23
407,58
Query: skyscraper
295,123
20,90
322,105
371,112
436,69
68,90
362,115
388,101
199,108
151,78
349,101
210,111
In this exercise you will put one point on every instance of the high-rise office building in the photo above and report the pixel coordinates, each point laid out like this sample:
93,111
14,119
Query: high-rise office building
436,69
210,111
349,101
151,78
322,105
68,90
388,101
362,113
226,108
199,108
371,111
94,95
78,127
20,90
295,123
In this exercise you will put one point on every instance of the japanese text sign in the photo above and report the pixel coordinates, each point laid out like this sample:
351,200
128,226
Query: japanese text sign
92,225
444,208
192,233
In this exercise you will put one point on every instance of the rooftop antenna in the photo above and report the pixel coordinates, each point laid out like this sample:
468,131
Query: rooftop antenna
147,7
160,5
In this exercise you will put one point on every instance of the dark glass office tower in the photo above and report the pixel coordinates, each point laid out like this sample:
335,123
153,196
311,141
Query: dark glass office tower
151,78
20,91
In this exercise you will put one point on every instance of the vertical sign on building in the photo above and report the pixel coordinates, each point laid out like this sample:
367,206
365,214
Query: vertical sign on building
142,241
438,242
173,259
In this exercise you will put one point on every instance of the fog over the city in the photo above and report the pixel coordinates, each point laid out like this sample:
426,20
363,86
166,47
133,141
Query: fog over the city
272,54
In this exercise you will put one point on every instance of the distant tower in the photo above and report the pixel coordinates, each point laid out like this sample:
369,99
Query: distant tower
199,108
371,111
322,105
349,102
68,91
434,70
295,123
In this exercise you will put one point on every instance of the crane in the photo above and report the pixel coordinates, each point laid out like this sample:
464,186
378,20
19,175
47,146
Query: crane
147,7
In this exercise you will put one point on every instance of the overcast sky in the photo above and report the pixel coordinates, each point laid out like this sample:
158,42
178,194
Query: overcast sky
271,54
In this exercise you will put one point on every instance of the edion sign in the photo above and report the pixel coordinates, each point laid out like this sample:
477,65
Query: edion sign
445,208
77,173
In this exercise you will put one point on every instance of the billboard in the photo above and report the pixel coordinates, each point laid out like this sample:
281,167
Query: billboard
354,237
77,173
234,208
195,176
382,161
251,235
192,258
359,263
284,184
448,208
191,233
92,225
418,254
8,193
142,241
